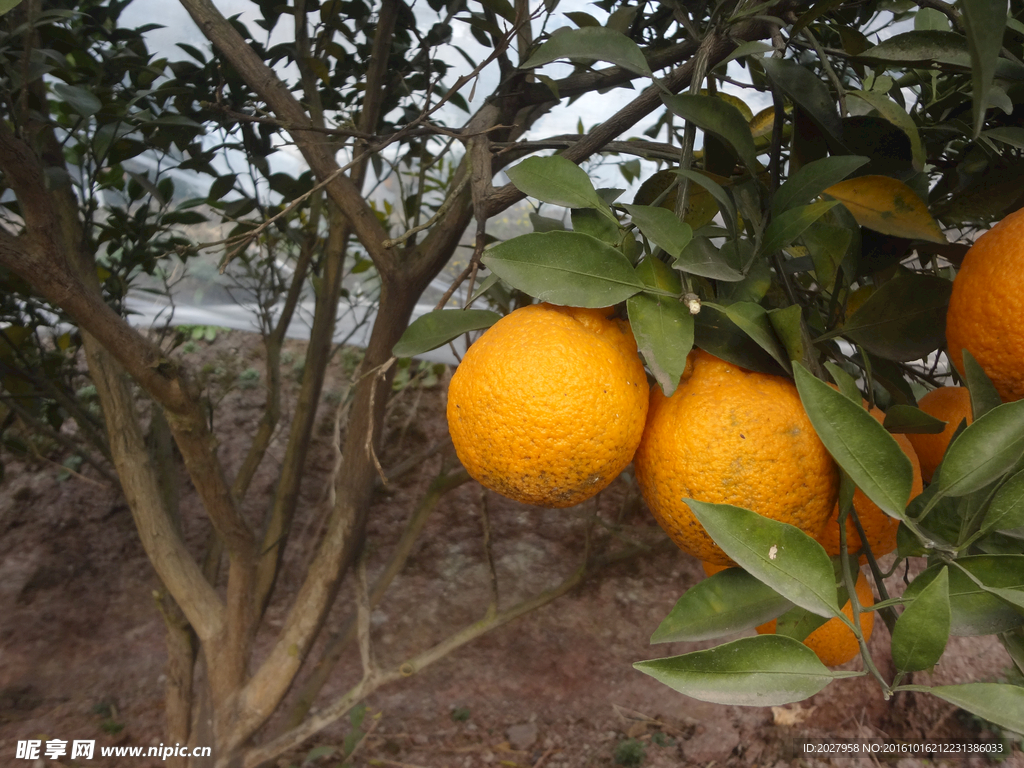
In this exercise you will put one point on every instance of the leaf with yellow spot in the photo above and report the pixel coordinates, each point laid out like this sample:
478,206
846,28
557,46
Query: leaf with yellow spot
762,123
888,206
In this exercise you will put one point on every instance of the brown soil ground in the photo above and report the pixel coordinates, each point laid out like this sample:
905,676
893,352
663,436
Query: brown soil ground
82,641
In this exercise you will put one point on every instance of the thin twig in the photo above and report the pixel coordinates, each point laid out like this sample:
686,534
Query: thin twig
485,522
363,618
441,211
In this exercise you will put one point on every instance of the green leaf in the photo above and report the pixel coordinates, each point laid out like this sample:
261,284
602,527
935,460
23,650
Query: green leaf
79,99
714,115
908,420
921,48
998,703
813,179
437,328
777,554
731,601
725,201
984,396
663,328
700,257
317,752
984,22
590,222
983,452
8,5
558,181
1013,642
1006,510
922,630
792,332
714,332
861,446
761,671
791,223
905,319
753,320
888,206
567,268
805,90
898,116
846,383
601,43
975,610
1014,137
750,48
798,624
661,227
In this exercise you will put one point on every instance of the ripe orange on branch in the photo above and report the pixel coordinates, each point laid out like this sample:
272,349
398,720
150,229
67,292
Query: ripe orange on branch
834,642
548,405
879,528
950,404
986,309
732,436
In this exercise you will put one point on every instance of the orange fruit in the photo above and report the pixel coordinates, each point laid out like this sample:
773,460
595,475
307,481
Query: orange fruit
986,310
878,526
834,642
952,405
710,569
732,436
548,405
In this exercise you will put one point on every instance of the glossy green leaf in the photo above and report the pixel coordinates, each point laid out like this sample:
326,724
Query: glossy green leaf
437,328
755,283
984,22
829,245
798,624
567,268
805,90
700,257
753,320
730,601
998,703
714,115
975,610
846,383
82,101
922,630
661,227
987,449
791,331
921,47
714,332
590,222
1006,510
790,224
662,325
761,671
861,446
558,181
600,43
778,554
898,116
908,420
984,396
813,179
1009,135
905,319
